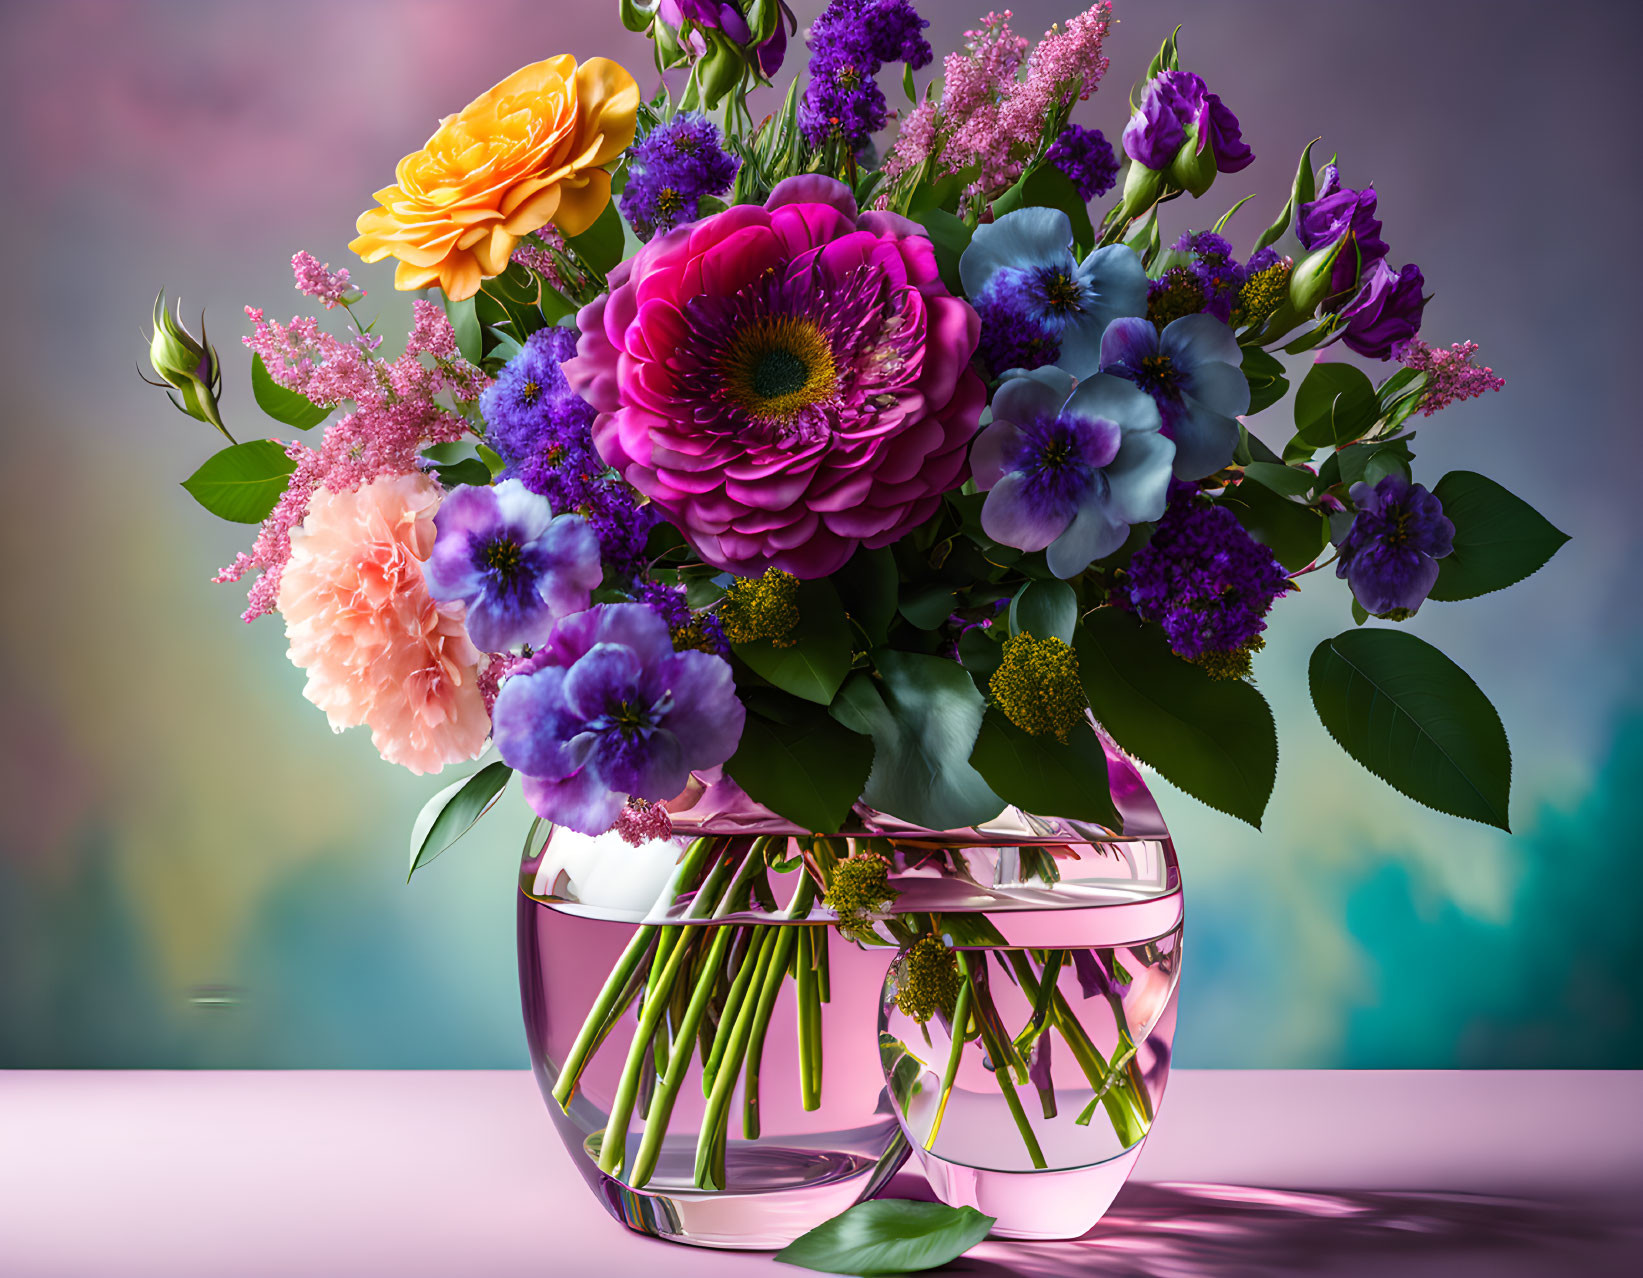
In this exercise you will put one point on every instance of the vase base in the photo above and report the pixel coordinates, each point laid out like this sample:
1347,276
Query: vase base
1037,1206
772,1195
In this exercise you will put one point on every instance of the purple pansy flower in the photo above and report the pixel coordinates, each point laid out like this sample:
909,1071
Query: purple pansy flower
1339,211
607,710
1193,372
1386,311
518,568
1390,554
1069,467
1178,110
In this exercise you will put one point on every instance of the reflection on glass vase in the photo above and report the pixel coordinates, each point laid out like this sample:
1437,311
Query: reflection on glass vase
724,1060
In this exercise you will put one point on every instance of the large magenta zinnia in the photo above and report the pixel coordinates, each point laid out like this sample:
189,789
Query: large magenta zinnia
785,383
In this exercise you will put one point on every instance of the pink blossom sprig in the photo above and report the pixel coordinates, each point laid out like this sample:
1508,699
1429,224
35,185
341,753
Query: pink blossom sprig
991,117
318,280
396,415
1451,375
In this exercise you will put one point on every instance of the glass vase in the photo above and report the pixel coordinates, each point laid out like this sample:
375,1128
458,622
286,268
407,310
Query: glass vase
717,1054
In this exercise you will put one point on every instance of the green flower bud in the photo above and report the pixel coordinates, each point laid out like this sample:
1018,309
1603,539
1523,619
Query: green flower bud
1309,282
1193,168
186,366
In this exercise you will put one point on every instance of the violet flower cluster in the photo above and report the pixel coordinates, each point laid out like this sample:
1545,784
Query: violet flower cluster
671,170
850,42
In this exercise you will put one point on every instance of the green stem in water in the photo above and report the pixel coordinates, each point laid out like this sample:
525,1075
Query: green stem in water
809,1018
613,998
955,1053
726,1064
803,895
1001,1071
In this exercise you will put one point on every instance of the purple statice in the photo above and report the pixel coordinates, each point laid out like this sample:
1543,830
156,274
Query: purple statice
671,170
689,628
849,43
1173,103
1338,212
1390,554
1213,266
1085,158
1206,581
607,711
1386,311
542,429
516,565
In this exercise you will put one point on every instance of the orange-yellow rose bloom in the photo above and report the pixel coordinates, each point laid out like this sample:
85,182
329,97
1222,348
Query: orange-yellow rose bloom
524,154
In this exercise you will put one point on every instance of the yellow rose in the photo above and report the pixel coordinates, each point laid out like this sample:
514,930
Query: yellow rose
524,154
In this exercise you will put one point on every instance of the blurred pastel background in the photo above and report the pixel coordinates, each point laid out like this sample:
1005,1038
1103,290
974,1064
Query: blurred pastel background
194,872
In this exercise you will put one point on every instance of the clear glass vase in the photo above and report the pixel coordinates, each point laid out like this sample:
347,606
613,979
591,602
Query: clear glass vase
720,1059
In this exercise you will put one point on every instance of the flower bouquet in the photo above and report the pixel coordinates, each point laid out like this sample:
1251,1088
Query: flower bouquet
821,537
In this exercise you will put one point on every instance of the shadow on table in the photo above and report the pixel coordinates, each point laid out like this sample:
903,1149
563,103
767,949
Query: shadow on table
1184,1230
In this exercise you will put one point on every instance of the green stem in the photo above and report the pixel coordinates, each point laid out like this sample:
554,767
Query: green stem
726,1063
809,1019
606,1008
1001,1070
961,1034
803,895
746,978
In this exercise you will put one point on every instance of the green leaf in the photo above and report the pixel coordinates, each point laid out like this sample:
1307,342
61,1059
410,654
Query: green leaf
243,481
1045,610
1369,463
1214,738
815,663
283,405
470,333
1416,720
1048,186
600,246
1296,534
810,771
1284,480
887,1236
979,651
923,713
1267,378
1499,538
467,470
950,235
1335,405
1043,776
867,585
1300,193
452,812
928,606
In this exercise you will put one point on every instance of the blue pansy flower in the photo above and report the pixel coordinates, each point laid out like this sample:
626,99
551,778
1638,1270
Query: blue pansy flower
1038,303
517,566
1193,372
1068,467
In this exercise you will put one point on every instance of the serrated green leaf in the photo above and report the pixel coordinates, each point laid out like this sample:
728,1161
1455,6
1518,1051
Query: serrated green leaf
242,482
1416,720
923,713
284,405
810,770
814,664
1499,538
452,812
1215,738
1044,776
887,1236
1045,610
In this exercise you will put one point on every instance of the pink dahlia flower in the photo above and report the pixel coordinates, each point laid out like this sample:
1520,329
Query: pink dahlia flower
785,383
377,648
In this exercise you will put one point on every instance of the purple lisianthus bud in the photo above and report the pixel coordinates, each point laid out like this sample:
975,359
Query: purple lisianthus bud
1341,211
1178,110
1390,554
1386,311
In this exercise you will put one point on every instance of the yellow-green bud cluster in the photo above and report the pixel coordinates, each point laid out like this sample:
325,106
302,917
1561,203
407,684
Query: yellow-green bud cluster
764,607
1262,293
1037,688
1230,665
927,979
693,635
1176,293
859,888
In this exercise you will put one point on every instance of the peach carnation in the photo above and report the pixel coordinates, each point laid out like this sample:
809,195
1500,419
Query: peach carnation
377,648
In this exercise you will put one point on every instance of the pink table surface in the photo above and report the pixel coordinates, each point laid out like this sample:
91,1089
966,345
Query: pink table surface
359,1174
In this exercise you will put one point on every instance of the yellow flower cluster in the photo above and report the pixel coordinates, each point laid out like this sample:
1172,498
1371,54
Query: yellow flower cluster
927,979
764,607
1262,293
1037,688
859,887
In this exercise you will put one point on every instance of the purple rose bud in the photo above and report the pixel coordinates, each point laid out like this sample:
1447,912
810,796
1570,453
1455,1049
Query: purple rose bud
1386,311
1337,212
1390,554
1177,110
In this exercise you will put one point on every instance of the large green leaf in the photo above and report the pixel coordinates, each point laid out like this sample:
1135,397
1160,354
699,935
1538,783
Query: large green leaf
1416,720
814,664
470,332
284,406
451,813
243,481
923,713
1267,378
950,235
867,587
1043,776
1499,538
1214,738
888,1236
1045,610
1293,532
1287,481
810,771
600,246
1335,405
